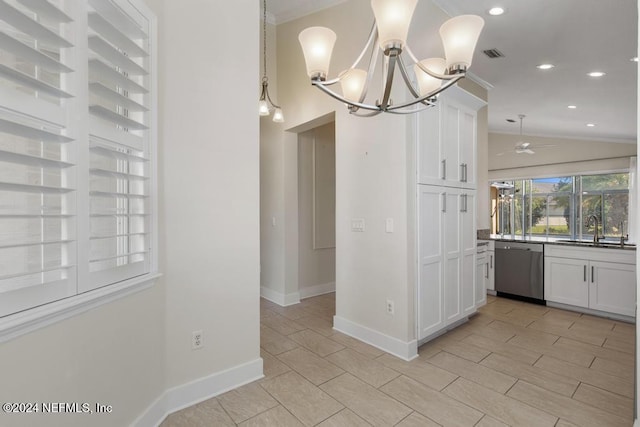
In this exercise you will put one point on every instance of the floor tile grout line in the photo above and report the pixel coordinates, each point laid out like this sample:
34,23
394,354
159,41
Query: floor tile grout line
413,411
282,404
574,391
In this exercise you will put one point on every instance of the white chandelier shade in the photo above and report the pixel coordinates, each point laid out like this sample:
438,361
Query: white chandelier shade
426,82
317,45
353,82
393,19
459,37
388,35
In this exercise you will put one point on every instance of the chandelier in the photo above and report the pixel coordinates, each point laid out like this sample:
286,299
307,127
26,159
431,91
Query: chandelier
389,32
265,104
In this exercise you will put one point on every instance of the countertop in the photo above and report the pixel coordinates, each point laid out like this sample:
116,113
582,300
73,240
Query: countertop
564,242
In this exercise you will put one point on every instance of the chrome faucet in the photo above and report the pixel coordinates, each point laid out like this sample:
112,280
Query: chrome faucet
623,238
594,219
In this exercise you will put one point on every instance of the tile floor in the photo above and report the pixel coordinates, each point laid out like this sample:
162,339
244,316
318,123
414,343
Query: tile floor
512,364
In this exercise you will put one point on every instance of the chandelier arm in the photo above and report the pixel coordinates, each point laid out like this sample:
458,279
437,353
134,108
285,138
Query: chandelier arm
429,95
321,85
407,81
373,35
370,114
373,60
273,104
374,53
428,71
262,93
393,55
418,108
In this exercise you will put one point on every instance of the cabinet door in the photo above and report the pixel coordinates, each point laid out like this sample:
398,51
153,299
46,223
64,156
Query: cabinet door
430,165
566,281
450,143
467,148
469,251
612,287
482,276
491,282
453,257
431,261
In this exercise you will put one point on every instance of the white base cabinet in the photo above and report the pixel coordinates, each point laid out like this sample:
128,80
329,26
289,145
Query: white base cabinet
613,287
595,278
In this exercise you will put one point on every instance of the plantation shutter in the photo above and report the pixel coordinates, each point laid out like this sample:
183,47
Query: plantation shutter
37,156
118,63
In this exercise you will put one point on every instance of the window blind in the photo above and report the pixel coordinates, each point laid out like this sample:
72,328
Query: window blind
118,41
37,157
76,161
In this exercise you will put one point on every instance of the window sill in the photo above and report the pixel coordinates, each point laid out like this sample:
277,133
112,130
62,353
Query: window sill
27,321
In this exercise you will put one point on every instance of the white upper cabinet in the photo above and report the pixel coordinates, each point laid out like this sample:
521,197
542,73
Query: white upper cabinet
447,140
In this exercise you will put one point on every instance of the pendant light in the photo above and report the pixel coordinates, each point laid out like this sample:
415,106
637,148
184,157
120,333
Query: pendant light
265,104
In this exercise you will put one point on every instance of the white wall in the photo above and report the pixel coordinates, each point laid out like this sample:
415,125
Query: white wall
560,156
209,170
637,399
317,265
113,355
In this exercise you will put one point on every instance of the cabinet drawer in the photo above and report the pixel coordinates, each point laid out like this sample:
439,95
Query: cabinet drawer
622,256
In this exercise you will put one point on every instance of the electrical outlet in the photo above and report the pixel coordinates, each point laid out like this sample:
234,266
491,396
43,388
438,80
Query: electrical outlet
390,309
197,340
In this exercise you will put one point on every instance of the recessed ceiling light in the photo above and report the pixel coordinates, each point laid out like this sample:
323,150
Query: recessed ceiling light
496,11
545,66
634,59
571,107
596,74
590,125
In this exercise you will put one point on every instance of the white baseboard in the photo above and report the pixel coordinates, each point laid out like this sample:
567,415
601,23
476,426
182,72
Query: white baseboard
404,350
185,395
314,291
279,298
614,316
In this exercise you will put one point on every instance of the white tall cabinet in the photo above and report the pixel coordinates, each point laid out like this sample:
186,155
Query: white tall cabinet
446,191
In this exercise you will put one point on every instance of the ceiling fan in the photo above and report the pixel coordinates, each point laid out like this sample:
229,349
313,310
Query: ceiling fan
524,147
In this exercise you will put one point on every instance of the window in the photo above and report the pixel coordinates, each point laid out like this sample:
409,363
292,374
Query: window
561,206
76,148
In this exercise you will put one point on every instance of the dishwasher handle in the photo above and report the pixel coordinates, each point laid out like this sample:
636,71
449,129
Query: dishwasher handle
515,249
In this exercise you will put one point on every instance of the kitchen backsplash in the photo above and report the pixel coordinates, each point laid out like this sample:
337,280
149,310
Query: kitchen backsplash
484,234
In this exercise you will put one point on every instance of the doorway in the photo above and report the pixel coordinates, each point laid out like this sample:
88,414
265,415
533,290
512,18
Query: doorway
317,211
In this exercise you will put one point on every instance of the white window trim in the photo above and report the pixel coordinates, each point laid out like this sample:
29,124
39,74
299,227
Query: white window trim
30,320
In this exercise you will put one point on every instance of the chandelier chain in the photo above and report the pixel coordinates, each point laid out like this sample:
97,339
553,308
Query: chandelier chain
264,39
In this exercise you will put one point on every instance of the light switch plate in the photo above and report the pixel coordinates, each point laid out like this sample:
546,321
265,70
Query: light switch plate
389,225
357,225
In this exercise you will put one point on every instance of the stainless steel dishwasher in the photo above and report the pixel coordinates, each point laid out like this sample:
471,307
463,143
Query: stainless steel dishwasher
520,270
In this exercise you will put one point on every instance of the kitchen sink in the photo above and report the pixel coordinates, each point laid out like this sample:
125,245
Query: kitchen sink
589,243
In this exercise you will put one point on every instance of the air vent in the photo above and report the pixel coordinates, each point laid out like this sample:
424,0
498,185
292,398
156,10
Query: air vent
493,53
